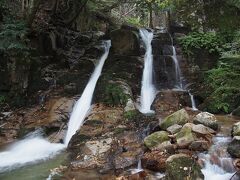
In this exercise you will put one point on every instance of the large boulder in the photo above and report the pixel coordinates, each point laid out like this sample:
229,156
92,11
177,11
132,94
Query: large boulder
185,137
155,160
199,145
234,147
157,140
203,130
207,119
236,129
180,117
125,42
182,167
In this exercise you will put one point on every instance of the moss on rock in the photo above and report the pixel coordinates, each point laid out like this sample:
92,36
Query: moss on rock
182,167
179,117
155,139
185,137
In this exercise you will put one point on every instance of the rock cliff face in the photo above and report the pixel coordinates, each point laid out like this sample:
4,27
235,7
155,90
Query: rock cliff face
63,48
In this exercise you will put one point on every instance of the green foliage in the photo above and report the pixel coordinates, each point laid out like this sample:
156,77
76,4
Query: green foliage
199,40
2,99
235,3
224,86
134,21
219,15
13,37
233,50
130,115
114,94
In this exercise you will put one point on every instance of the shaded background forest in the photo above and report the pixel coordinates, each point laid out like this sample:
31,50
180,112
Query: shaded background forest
28,27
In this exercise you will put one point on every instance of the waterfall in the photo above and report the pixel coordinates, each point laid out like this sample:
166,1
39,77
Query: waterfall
36,148
148,91
178,83
194,107
138,169
83,105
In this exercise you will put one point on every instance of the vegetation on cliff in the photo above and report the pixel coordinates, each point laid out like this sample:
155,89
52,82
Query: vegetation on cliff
24,24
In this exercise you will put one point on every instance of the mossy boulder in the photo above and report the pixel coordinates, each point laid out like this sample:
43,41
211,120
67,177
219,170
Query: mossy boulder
157,139
185,137
125,42
207,119
234,147
236,129
182,167
180,117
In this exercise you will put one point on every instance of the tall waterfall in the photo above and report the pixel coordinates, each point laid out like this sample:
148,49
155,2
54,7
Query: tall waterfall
36,148
148,91
83,105
178,83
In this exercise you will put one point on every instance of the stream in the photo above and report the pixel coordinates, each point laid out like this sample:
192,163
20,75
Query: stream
217,162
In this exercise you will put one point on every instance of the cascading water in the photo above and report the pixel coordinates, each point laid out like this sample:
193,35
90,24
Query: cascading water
217,162
148,91
84,103
224,168
35,148
178,83
194,107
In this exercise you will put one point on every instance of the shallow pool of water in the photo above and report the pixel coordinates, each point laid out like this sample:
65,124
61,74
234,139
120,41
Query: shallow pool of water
39,171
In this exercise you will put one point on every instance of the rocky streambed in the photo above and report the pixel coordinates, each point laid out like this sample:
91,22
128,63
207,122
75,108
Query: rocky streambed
116,141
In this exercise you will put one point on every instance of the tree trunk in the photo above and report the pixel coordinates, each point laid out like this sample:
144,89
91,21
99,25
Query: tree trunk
32,11
150,15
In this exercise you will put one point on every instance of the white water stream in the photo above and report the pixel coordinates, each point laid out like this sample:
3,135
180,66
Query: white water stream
178,83
83,105
26,151
36,148
217,163
178,77
194,107
148,91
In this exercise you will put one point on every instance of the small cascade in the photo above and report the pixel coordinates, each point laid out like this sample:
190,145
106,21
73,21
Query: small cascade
178,83
34,147
217,162
194,107
139,165
148,91
138,169
83,105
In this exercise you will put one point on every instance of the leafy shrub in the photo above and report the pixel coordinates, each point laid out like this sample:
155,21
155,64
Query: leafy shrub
134,21
233,50
199,40
114,95
13,37
2,99
224,87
